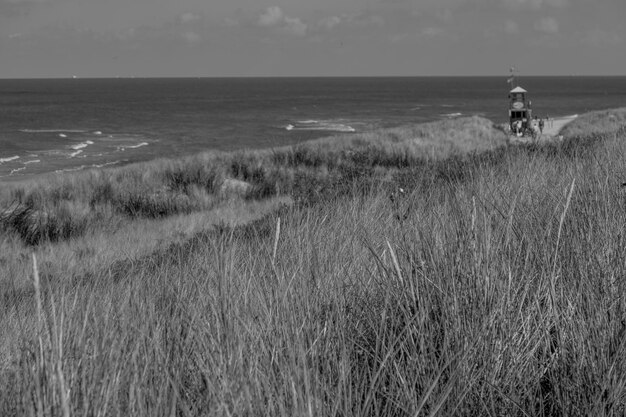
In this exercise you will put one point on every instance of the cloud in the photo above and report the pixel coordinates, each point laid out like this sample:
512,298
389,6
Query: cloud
230,22
366,19
547,25
355,18
12,8
534,4
602,38
191,37
294,26
433,31
190,17
274,17
329,22
511,27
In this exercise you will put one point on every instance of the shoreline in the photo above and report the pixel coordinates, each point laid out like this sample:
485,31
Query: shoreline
558,123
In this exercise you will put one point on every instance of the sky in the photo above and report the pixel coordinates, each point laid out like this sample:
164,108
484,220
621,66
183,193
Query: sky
217,38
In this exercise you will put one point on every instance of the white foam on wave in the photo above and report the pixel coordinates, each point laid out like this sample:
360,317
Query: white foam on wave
71,169
452,114
9,159
13,171
329,126
62,135
81,145
34,161
74,154
51,131
139,145
107,164
81,167
97,132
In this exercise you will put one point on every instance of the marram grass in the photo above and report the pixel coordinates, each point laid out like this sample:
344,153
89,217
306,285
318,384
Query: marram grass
490,285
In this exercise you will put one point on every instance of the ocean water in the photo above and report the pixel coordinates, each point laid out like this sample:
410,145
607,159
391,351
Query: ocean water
73,124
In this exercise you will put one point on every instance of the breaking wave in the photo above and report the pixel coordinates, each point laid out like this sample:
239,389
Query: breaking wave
81,167
81,145
52,131
331,126
139,145
13,171
9,159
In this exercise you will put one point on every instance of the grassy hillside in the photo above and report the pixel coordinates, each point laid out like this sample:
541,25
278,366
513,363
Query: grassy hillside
409,278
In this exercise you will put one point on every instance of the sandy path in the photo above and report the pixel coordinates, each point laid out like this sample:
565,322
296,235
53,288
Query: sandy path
551,129
554,126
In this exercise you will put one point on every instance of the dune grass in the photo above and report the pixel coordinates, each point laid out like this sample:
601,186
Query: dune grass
68,206
597,123
489,285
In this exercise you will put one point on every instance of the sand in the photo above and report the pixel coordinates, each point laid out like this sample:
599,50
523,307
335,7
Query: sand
553,127
550,130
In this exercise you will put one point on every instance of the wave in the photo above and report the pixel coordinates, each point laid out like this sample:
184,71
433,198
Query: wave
138,146
52,131
81,167
9,159
123,148
72,169
108,163
81,145
13,171
34,161
320,126
73,154
452,114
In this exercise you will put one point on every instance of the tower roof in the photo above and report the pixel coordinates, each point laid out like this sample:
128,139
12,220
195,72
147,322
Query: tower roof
518,90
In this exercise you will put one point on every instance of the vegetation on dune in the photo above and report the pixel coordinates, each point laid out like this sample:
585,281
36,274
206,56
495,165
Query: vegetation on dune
597,123
67,206
489,285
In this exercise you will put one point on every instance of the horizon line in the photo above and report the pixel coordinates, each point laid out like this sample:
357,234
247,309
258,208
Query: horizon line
74,77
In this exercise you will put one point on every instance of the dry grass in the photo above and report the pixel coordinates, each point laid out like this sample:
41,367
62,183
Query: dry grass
596,123
491,286
65,207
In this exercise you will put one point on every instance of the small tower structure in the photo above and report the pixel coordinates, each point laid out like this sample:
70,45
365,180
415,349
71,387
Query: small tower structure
520,109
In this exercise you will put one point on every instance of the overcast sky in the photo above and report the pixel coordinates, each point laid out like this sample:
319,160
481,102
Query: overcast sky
107,38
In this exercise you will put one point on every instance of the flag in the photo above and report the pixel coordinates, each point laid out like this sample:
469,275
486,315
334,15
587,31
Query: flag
510,80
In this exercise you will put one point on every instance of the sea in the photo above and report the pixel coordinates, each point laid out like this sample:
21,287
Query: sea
61,125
